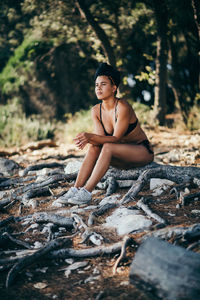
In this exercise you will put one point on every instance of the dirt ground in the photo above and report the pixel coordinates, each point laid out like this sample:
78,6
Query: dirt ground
55,285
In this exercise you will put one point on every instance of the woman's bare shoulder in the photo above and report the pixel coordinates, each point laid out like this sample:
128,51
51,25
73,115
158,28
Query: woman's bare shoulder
95,109
123,104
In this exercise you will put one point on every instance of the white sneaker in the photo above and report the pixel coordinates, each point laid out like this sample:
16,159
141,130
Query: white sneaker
64,198
81,197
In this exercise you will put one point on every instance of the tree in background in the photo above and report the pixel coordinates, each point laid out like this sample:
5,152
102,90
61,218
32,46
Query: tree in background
58,45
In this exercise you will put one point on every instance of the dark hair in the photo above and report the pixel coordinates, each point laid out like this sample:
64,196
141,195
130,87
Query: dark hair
108,70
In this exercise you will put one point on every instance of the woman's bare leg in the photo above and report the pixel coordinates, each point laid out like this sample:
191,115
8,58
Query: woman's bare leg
137,155
87,165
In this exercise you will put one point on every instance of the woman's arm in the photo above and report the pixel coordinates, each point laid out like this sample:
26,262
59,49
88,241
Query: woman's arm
99,137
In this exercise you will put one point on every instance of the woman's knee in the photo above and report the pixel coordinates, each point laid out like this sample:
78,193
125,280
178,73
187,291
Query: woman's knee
107,148
94,150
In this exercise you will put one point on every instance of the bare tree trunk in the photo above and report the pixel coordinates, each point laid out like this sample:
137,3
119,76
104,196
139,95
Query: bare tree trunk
100,33
196,11
161,15
175,85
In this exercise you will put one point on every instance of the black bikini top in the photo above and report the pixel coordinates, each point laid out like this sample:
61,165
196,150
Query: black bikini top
130,127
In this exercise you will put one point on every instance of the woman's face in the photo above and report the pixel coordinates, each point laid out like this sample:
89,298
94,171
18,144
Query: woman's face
104,89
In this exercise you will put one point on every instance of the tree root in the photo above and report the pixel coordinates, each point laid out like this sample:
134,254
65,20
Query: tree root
126,241
90,252
160,172
30,259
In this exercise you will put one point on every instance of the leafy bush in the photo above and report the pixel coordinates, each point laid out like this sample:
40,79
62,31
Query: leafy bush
16,129
15,73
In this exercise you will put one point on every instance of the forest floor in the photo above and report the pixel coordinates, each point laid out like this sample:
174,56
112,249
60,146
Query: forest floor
171,147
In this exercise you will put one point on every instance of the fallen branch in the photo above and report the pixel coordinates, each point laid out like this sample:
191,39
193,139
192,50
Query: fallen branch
55,219
147,210
28,260
41,166
37,192
90,252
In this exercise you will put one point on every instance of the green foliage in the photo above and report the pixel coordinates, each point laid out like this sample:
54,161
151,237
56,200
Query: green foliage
16,129
16,71
49,51
149,75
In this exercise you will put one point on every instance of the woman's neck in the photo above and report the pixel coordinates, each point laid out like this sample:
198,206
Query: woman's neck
109,103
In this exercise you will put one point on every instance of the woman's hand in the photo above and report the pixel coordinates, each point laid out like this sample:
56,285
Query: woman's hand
82,139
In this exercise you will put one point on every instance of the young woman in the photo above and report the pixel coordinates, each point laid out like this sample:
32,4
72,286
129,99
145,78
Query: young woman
117,140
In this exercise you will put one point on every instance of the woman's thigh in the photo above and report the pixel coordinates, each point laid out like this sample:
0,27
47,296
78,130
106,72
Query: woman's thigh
128,156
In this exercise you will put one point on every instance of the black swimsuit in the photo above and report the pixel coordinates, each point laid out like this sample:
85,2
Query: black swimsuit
131,127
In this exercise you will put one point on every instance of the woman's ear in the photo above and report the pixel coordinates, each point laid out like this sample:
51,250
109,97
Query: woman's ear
114,88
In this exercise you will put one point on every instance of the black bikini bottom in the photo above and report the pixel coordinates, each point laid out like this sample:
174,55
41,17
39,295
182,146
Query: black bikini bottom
147,145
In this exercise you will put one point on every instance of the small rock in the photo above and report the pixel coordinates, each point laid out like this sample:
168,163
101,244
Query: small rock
69,261
8,167
37,245
96,238
195,211
157,183
72,167
42,270
124,283
127,220
110,199
40,285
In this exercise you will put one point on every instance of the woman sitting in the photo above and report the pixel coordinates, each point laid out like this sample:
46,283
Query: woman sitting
117,140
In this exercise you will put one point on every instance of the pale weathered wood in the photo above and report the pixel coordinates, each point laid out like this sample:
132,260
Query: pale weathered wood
55,219
89,252
142,205
176,173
